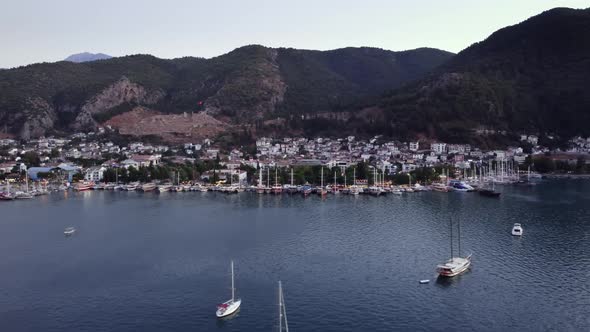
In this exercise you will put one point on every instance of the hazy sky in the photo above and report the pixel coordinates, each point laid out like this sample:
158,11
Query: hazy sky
50,30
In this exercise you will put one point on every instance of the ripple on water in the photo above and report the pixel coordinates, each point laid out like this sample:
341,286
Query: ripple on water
146,262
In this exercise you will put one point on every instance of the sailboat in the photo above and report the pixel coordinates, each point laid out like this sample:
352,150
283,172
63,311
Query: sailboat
277,189
489,192
282,311
232,305
455,265
27,194
335,188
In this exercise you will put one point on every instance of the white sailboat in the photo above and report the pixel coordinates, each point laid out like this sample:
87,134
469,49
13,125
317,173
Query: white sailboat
232,305
455,265
282,311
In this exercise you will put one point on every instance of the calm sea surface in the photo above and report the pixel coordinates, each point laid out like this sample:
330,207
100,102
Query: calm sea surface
160,262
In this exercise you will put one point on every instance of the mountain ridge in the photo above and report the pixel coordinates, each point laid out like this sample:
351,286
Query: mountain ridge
528,77
247,85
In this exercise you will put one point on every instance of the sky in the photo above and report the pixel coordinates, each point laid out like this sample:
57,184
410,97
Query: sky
43,30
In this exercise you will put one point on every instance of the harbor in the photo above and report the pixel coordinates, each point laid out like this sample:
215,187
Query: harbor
477,179
152,261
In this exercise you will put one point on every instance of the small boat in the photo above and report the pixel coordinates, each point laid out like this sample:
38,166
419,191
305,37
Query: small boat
69,231
355,190
491,192
132,186
232,305
6,197
460,186
148,187
440,187
306,190
397,192
424,281
83,186
455,265
488,193
164,187
517,229
22,195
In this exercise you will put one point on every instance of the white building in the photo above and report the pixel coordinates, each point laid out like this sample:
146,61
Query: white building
414,146
438,148
95,174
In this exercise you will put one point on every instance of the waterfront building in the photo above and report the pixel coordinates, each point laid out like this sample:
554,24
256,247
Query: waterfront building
94,174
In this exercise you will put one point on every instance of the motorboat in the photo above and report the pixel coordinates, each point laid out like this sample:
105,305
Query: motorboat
397,191
22,195
148,187
460,186
132,186
517,229
232,305
440,187
83,186
69,231
164,187
355,190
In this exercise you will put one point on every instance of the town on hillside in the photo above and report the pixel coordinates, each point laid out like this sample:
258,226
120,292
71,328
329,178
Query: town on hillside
91,160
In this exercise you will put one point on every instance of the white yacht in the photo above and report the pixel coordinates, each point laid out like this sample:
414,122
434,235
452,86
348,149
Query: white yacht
232,305
517,229
69,231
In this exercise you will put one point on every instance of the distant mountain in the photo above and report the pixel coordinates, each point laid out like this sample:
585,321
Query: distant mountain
251,86
86,57
531,77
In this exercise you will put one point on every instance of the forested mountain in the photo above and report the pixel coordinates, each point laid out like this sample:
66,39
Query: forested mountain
248,85
530,77
533,77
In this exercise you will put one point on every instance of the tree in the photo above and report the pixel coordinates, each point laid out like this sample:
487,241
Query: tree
54,153
31,159
544,165
77,177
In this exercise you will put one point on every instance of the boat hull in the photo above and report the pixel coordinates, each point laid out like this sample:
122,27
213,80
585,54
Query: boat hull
229,310
454,272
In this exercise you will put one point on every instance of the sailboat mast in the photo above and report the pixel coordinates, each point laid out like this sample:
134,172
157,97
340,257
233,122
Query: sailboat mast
232,281
291,177
451,229
280,307
459,235
284,310
322,180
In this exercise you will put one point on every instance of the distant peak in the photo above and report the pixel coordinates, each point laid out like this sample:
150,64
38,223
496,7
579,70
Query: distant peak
86,57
